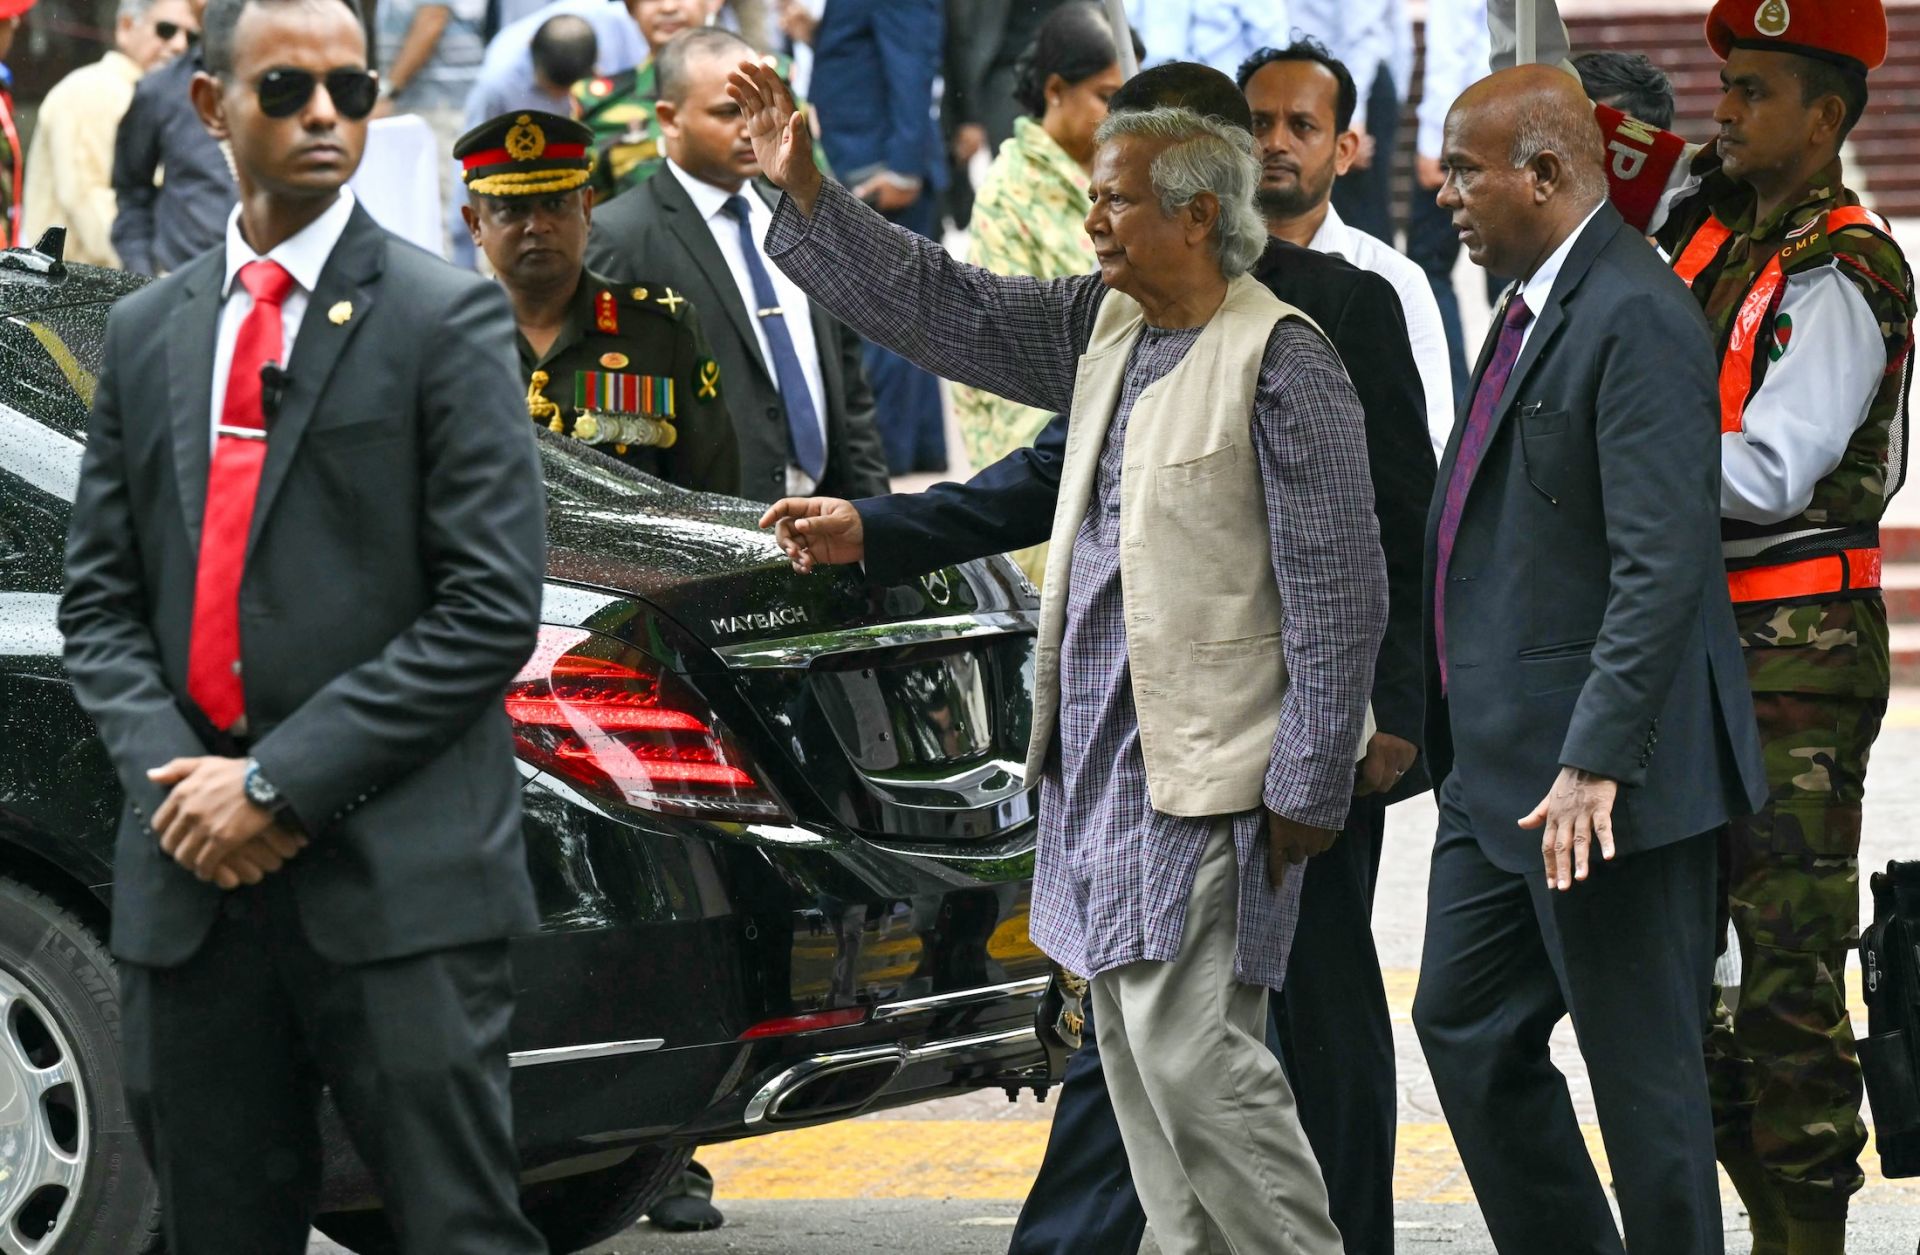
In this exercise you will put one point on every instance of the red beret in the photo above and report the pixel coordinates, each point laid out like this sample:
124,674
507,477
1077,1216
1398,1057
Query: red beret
1841,31
14,8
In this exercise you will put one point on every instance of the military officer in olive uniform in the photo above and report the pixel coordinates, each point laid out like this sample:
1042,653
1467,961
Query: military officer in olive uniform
1813,305
623,367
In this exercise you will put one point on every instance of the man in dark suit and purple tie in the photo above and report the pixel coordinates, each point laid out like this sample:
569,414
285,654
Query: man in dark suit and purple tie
1586,696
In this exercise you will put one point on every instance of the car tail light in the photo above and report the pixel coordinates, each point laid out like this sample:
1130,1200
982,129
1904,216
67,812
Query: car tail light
615,723
813,1022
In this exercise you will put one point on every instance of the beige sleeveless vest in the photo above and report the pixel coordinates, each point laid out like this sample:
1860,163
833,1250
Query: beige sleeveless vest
1203,614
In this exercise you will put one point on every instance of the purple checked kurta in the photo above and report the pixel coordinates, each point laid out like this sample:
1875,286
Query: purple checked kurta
1113,874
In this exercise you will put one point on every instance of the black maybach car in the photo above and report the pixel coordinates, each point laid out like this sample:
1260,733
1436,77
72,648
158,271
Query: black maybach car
776,827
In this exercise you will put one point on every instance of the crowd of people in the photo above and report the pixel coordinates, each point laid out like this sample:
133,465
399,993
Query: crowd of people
119,158
1611,589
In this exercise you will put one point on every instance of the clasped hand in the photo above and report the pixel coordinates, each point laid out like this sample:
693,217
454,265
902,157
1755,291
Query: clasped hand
1574,814
210,827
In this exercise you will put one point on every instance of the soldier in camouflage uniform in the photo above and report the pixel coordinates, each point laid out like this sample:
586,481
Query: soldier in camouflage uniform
1812,303
619,366
619,107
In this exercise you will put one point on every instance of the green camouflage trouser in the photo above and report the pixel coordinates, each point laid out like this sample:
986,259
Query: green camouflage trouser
1782,1067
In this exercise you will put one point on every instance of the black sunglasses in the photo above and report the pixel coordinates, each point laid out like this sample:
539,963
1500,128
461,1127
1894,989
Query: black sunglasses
284,93
169,31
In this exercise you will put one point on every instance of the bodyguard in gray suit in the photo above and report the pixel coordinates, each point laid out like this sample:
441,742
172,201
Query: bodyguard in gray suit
306,558
1583,674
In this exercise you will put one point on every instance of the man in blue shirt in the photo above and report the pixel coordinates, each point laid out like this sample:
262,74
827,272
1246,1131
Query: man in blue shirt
562,53
874,66
507,70
1373,39
1218,33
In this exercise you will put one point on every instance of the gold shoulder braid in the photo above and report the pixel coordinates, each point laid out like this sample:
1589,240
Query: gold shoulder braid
539,407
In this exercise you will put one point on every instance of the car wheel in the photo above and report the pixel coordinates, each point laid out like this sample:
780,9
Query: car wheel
572,1213
73,1179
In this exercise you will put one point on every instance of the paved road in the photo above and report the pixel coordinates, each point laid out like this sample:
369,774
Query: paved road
947,1177
935,1227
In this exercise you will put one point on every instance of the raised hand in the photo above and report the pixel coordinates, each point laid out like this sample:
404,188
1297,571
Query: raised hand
817,531
782,140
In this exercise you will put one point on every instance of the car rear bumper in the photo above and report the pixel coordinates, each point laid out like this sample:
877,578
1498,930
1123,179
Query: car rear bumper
662,951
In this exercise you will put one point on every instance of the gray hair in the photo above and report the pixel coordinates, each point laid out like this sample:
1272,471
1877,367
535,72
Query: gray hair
132,8
1549,125
1203,154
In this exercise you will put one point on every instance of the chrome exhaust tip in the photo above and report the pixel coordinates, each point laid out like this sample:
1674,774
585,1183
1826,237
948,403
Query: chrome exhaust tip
845,1081
826,1085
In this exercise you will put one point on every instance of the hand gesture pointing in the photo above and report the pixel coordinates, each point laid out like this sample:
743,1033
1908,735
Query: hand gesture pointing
817,531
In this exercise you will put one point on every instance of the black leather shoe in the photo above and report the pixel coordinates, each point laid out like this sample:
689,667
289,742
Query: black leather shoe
687,1206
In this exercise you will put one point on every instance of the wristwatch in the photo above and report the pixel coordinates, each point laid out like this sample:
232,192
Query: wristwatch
260,790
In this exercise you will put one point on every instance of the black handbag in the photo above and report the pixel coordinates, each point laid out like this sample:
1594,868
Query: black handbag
1890,1052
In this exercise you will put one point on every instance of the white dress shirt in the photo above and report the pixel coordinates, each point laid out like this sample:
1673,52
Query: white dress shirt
398,182
303,256
1362,35
1457,53
711,202
1422,312
1538,287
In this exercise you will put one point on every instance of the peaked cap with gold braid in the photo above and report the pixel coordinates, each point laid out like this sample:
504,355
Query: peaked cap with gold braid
525,153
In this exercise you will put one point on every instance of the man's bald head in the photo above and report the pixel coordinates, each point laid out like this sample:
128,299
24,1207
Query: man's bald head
1525,166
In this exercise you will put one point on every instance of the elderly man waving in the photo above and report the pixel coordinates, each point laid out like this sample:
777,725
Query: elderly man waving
1210,468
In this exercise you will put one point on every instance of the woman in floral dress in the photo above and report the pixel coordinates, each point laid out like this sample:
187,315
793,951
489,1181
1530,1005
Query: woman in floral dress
1027,219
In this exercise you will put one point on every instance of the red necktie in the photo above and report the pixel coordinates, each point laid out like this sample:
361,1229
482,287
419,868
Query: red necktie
1466,461
233,480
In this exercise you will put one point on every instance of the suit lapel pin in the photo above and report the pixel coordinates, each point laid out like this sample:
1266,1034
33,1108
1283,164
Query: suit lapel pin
339,314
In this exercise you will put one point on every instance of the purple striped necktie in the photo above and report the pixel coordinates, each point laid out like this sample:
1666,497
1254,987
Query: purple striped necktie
1473,446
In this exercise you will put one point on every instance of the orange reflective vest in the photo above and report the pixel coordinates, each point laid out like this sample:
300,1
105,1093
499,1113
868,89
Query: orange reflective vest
1854,569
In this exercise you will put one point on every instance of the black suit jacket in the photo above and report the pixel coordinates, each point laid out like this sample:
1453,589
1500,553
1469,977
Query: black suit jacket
160,227
655,235
1360,313
1010,504
392,589
1588,623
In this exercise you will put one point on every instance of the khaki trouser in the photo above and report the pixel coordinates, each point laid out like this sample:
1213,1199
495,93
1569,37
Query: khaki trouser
1218,1155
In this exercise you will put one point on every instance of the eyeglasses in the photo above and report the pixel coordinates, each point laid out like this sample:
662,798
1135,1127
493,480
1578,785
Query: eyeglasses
170,31
284,93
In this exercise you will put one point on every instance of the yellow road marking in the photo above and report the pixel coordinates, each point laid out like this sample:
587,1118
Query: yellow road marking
980,1160
983,1160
